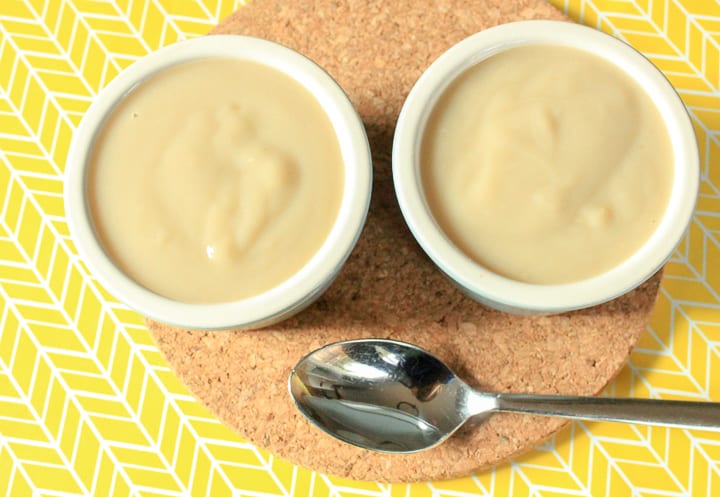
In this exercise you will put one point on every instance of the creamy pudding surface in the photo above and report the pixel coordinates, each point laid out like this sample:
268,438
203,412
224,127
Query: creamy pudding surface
215,180
546,164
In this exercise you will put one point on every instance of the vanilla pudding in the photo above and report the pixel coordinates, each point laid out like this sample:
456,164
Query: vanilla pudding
215,180
546,164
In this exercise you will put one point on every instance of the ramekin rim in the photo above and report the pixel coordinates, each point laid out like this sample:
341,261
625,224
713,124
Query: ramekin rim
316,273
502,290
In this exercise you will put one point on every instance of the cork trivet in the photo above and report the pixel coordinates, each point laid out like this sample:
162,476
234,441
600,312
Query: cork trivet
376,49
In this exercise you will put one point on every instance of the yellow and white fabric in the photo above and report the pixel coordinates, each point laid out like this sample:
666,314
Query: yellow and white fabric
89,407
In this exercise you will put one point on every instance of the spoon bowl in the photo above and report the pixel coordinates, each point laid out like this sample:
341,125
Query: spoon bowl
391,396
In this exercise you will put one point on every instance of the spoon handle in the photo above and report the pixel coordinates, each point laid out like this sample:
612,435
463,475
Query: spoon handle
645,411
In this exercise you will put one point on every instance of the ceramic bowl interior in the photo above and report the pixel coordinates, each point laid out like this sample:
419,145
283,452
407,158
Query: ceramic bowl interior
501,292
296,292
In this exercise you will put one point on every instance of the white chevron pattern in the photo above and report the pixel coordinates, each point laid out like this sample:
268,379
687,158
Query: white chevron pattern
89,407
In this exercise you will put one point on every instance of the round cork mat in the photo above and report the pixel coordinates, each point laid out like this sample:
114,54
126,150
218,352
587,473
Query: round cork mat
376,49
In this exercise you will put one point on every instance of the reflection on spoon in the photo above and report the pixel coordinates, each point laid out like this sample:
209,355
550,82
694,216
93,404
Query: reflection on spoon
391,396
366,424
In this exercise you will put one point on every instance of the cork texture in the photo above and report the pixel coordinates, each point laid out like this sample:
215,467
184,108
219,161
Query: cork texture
389,288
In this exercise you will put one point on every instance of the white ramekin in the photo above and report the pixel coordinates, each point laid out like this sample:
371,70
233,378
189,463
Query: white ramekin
503,293
290,296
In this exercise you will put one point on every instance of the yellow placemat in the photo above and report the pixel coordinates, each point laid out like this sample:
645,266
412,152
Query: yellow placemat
89,407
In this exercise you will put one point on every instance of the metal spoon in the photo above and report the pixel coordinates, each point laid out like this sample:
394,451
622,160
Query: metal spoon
391,396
